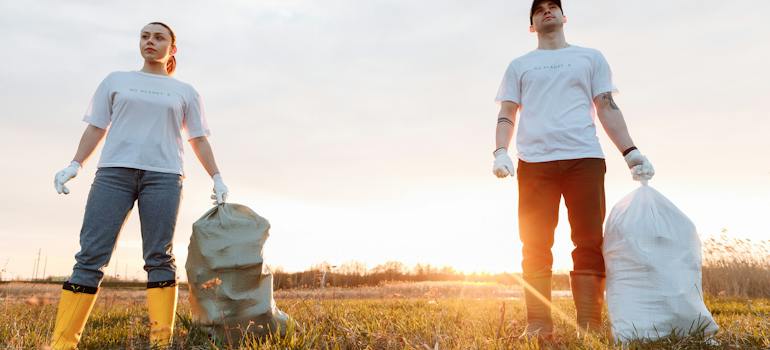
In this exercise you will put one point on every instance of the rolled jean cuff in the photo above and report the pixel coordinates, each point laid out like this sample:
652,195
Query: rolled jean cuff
160,275
85,278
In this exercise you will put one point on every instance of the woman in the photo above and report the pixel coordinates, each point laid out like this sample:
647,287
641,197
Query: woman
146,112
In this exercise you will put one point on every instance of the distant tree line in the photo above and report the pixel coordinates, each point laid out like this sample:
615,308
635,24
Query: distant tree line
356,274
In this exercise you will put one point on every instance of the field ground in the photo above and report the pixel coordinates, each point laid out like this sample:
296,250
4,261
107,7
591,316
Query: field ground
396,316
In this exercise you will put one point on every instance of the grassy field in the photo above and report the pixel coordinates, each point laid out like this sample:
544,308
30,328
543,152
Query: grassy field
417,316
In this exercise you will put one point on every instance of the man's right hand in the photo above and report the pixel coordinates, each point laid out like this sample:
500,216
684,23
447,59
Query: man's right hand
65,175
503,165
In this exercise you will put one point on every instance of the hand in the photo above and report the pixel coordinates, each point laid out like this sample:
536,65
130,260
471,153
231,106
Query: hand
220,190
65,175
641,168
503,165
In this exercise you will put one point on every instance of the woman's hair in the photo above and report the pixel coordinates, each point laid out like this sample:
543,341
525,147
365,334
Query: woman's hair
171,64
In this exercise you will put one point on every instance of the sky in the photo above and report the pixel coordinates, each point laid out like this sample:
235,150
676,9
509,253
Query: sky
363,130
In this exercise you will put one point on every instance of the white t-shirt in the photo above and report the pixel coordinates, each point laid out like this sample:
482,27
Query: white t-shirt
555,90
146,114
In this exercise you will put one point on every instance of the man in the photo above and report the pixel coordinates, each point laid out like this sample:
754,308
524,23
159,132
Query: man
559,155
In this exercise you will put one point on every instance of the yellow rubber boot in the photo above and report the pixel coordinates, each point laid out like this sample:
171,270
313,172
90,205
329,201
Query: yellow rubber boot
161,302
75,305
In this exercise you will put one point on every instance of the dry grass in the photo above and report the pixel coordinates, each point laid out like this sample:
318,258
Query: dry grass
119,320
424,315
736,267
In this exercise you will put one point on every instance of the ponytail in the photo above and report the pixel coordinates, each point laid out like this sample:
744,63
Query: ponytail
171,65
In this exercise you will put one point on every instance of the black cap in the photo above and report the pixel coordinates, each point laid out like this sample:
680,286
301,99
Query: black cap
537,2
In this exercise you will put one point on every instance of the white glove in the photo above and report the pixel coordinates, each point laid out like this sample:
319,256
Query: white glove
641,168
220,190
503,165
65,175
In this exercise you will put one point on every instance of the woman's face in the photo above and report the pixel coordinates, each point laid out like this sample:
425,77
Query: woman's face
155,43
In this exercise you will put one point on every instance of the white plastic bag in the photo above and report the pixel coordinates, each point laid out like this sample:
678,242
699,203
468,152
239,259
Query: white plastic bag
231,292
652,254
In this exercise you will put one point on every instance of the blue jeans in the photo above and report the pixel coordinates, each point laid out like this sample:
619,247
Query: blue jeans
110,201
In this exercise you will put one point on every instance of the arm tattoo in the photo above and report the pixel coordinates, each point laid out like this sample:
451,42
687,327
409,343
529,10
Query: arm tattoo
504,120
607,98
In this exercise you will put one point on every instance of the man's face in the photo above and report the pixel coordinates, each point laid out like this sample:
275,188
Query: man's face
547,17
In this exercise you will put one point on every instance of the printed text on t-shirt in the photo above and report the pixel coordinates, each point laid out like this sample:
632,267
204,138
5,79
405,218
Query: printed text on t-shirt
150,92
552,66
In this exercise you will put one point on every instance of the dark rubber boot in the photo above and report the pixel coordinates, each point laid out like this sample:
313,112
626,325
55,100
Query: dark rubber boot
537,296
588,293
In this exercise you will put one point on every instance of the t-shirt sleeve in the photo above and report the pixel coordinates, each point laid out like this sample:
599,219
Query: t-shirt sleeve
194,117
601,77
510,87
99,113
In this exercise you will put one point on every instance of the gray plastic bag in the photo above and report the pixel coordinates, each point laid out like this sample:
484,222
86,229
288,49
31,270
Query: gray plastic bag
231,292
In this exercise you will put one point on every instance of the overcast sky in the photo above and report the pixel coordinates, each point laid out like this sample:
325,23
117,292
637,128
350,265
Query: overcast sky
363,130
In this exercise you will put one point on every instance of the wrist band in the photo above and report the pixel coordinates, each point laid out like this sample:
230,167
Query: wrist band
629,150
